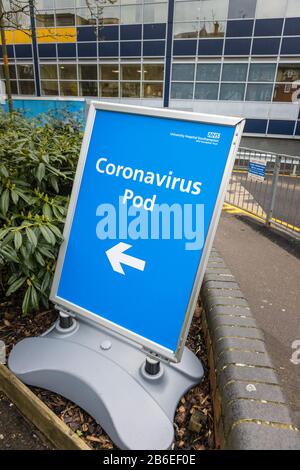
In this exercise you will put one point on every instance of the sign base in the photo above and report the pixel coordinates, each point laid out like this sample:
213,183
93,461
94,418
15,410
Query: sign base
105,374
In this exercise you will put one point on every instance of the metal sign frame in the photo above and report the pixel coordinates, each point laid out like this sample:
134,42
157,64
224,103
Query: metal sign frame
149,345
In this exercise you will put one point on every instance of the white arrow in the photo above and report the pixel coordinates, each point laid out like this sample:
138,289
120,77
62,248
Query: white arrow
116,256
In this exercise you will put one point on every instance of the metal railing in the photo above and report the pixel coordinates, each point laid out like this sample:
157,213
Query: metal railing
275,198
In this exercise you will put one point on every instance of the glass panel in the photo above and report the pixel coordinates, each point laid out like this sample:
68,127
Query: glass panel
68,88
67,71
288,72
130,72
87,72
65,3
262,72
65,18
88,89
153,90
186,30
109,72
44,19
257,92
153,72
187,11
183,72
85,17
131,14
110,89
234,72
49,88
44,4
27,88
212,29
48,71
286,92
156,13
293,8
25,71
16,18
14,87
12,72
130,90
208,72
206,91
274,9
110,15
232,91
241,8
182,91
214,9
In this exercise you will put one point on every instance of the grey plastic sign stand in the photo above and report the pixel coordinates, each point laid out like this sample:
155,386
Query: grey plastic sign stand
104,373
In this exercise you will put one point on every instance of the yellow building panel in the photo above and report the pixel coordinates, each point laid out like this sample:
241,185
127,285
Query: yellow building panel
44,35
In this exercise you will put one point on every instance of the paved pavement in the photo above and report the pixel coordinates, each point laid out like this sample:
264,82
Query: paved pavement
15,432
267,267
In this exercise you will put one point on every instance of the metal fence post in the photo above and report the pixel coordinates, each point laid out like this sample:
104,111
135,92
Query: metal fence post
273,190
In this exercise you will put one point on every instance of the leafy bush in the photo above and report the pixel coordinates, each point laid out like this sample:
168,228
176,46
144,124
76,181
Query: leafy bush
37,166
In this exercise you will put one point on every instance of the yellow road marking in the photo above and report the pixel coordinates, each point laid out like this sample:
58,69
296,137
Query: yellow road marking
230,209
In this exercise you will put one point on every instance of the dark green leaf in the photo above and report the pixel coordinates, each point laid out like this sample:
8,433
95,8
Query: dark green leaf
17,240
31,236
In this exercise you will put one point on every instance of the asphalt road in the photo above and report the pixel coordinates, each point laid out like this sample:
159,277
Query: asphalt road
267,267
287,202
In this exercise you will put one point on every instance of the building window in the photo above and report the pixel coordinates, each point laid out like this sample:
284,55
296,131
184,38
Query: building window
67,72
155,13
293,9
131,14
130,90
206,91
109,89
131,72
186,30
287,92
48,71
88,89
212,29
27,87
273,9
182,72
182,91
241,9
84,16
153,72
49,87
65,17
68,88
109,72
45,19
288,72
234,72
12,72
208,72
152,90
87,72
214,9
187,11
109,15
262,72
232,91
259,92
25,72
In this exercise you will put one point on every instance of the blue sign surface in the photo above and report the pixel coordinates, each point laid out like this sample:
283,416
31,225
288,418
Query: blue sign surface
257,169
118,267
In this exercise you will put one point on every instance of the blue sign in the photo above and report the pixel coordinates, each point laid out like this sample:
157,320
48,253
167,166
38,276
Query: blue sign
145,202
257,170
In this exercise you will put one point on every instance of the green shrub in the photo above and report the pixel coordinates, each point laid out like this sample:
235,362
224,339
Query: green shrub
37,166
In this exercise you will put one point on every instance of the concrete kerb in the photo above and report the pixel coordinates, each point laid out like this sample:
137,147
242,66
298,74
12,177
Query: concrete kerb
250,408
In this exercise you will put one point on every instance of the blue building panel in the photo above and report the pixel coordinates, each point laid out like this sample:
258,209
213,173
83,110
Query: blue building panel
212,47
268,27
256,126
265,46
281,127
290,46
237,47
292,26
47,50
130,49
153,48
23,51
184,47
108,49
155,31
87,49
86,33
66,49
108,33
297,132
239,28
131,32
